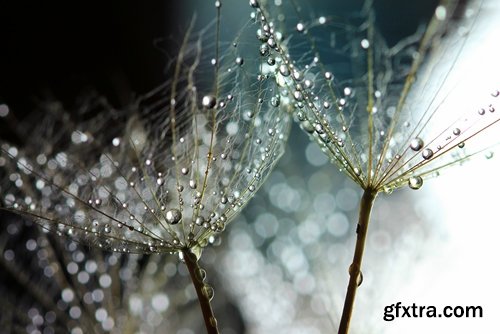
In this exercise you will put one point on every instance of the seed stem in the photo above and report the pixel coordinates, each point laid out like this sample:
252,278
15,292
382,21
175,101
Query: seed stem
355,275
197,278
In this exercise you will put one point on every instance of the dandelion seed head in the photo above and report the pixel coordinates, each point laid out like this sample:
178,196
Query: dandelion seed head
171,174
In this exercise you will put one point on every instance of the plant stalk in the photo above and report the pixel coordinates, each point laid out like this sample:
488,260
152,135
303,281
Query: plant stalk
203,291
355,275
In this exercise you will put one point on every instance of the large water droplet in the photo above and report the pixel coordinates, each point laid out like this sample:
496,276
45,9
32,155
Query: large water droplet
208,101
416,144
427,153
415,182
173,216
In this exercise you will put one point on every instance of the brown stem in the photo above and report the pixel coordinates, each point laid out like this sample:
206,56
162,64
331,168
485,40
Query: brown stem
204,291
355,275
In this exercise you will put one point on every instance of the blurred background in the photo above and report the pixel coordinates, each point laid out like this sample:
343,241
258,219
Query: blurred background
281,267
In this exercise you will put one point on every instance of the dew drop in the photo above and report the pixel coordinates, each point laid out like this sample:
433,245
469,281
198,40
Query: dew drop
199,221
488,155
251,187
239,61
173,216
456,131
427,153
300,27
328,75
217,4
481,111
495,93
491,108
415,182
298,95
284,71
208,101
461,145
254,3
160,181
416,144
275,101
208,292
264,50
200,274
440,13
184,170
192,184
365,44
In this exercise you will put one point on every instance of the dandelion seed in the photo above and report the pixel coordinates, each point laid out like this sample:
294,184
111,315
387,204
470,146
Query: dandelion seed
396,137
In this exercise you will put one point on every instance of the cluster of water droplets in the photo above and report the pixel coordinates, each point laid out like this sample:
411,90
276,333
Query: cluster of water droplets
360,99
176,170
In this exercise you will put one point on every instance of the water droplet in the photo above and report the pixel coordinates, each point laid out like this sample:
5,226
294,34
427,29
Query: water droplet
184,170
200,274
328,75
284,71
107,228
275,101
192,184
217,4
298,95
488,155
495,93
251,187
208,291
297,75
300,27
199,221
427,153
239,61
264,50
359,279
271,61
415,182
365,44
456,131
173,216
208,101
416,144
160,181
271,42
491,108
461,145
481,111
254,3
440,13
